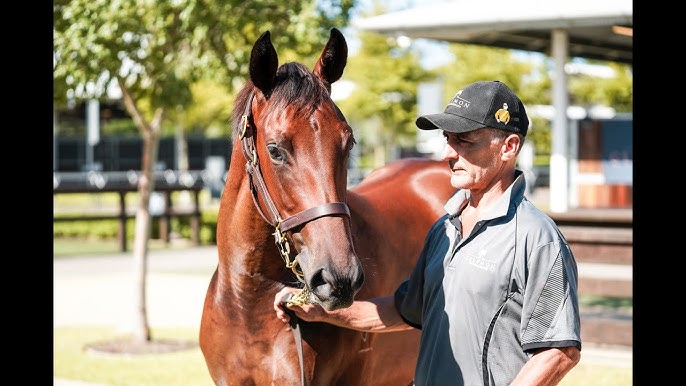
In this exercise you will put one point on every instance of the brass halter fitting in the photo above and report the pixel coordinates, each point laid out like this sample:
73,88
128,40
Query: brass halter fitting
244,126
285,251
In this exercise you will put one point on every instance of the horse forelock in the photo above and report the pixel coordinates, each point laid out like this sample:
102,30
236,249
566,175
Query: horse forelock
295,86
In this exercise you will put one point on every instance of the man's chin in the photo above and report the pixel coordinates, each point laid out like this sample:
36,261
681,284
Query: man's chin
458,181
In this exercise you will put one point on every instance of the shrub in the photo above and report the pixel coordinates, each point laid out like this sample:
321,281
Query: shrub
108,228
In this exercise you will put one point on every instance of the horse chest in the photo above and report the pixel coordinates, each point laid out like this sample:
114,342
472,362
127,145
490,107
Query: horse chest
241,352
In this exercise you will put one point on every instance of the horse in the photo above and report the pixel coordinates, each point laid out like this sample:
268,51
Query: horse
287,217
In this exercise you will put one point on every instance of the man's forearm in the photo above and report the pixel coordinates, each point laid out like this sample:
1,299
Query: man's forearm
373,315
548,366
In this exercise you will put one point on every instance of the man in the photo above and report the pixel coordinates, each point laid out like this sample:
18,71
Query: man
494,289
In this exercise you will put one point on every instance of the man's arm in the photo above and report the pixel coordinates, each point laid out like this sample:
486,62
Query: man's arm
548,366
373,315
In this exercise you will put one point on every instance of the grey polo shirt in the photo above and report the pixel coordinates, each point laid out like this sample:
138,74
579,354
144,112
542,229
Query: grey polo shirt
485,302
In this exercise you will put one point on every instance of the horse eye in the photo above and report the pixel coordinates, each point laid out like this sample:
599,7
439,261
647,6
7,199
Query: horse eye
275,154
351,144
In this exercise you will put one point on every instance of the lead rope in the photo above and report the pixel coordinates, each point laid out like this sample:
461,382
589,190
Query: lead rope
293,322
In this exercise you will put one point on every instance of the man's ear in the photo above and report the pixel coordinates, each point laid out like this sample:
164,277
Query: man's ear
511,147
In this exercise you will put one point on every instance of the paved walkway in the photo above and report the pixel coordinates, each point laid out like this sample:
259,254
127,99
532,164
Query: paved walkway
97,290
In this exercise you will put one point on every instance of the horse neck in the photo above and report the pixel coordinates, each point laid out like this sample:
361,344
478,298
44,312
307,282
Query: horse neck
247,252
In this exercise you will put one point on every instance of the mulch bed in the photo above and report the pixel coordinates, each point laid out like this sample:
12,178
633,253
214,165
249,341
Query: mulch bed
129,346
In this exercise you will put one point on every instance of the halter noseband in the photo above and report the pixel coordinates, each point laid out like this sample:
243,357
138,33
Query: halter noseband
258,188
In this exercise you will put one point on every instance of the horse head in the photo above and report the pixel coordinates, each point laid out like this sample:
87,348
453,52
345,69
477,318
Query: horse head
296,143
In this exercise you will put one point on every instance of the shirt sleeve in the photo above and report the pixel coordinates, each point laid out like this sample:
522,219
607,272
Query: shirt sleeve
409,296
550,315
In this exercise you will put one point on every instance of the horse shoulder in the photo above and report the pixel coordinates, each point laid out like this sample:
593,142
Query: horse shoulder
416,188
391,212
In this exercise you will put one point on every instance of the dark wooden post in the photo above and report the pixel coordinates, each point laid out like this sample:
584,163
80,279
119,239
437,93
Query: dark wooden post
165,219
195,218
121,233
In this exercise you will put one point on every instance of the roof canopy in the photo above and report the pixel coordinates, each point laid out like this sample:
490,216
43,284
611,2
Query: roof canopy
596,29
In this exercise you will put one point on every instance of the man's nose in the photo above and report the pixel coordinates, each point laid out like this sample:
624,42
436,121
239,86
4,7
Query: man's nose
449,152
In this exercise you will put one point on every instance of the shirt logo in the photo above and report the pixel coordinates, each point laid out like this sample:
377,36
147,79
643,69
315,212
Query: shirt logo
480,261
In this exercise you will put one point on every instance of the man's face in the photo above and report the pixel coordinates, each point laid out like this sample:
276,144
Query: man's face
474,158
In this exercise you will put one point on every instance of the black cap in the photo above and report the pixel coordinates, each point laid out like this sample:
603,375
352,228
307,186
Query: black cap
480,104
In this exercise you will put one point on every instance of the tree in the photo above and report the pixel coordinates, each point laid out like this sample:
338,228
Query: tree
474,63
384,101
208,115
154,50
615,91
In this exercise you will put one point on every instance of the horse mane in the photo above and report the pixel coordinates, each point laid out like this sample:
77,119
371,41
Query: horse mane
295,86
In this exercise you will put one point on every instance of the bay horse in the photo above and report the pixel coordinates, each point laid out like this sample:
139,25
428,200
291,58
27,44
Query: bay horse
287,217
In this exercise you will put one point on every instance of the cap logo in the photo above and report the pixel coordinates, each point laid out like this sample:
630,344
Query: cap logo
502,115
457,101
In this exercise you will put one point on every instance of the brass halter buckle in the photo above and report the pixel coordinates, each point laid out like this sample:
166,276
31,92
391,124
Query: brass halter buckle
244,126
285,251
300,298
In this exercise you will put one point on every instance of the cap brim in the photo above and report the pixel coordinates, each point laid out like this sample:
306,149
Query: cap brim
447,122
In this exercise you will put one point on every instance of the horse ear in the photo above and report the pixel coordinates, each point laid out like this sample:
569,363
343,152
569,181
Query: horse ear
263,63
332,61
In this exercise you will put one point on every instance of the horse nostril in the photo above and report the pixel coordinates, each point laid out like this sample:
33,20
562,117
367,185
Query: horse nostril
357,284
322,282
335,288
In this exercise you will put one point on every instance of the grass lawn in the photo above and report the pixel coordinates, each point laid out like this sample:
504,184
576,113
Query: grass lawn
180,368
187,367
68,246
65,247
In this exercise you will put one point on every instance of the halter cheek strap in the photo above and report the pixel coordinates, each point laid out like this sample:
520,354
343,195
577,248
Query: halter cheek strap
259,190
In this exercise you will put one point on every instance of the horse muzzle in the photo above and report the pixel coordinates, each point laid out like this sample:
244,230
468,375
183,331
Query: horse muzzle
330,286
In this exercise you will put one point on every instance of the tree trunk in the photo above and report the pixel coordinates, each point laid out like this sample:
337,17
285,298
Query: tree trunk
379,155
146,185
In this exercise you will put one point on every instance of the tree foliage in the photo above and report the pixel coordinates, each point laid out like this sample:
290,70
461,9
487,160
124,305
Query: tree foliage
161,47
210,112
474,63
615,91
383,103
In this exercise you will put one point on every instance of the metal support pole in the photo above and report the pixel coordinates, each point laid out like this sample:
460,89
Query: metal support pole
558,158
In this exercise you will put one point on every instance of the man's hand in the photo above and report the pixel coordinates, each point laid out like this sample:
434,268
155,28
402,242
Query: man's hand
307,312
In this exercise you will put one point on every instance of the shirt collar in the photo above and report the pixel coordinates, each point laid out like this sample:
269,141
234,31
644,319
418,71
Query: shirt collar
511,197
